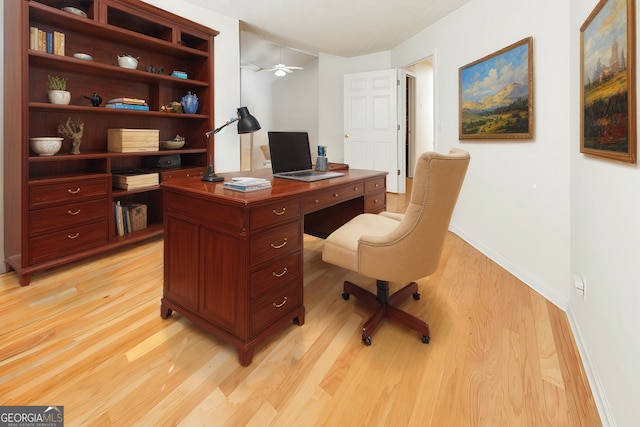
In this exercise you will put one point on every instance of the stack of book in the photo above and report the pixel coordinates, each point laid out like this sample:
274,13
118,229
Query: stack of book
246,184
44,41
128,104
132,179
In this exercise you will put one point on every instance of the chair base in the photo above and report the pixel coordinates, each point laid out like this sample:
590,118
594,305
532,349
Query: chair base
384,306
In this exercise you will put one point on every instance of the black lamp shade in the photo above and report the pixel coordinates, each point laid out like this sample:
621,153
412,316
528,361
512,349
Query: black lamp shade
246,122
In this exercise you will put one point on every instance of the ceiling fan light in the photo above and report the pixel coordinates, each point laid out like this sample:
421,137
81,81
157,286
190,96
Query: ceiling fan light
280,73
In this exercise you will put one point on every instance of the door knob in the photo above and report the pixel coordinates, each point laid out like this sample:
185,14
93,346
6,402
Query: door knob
346,135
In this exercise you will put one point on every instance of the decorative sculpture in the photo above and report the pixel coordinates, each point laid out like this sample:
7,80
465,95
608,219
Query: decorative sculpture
73,131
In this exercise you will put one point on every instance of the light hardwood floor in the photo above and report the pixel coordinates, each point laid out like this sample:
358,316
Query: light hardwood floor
89,337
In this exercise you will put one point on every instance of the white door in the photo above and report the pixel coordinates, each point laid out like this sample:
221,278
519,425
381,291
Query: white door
373,133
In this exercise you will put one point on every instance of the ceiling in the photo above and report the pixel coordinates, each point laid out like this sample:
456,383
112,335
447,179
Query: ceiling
337,27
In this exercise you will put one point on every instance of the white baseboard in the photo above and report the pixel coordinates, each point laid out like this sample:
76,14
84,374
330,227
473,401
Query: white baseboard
606,414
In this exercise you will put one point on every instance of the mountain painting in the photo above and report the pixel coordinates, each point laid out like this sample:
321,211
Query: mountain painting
608,83
496,94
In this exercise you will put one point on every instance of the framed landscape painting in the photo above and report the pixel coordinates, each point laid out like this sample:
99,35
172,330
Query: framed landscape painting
496,94
608,84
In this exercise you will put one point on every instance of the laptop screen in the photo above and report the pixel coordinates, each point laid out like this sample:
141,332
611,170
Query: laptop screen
289,151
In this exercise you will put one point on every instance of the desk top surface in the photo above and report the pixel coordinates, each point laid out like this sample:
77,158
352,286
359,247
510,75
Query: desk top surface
280,188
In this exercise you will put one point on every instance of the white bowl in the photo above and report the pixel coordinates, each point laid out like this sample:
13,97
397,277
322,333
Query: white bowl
128,62
46,145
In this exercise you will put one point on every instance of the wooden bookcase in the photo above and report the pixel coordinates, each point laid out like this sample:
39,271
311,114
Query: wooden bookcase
59,209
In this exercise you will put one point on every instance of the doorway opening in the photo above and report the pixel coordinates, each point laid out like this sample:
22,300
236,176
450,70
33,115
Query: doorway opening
419,112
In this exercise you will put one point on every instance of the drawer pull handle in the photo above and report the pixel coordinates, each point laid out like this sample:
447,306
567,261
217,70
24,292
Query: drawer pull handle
377,185
317,201
280,245
281,274
76,191
74,213
335,194
73,236
355,188
281,304
375,200
279,213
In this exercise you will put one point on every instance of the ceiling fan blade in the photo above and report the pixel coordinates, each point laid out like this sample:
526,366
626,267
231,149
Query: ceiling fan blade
252,67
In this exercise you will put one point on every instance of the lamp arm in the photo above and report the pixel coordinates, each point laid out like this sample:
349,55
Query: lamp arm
218,129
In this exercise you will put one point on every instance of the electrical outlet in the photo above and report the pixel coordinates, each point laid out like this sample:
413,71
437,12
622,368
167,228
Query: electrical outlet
581,285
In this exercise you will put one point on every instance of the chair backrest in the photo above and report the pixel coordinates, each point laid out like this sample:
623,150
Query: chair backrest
413,249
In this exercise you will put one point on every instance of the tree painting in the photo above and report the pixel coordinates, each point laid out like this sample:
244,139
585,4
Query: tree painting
608,86
496,94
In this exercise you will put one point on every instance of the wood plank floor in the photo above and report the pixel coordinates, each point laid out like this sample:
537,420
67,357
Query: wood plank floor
89,337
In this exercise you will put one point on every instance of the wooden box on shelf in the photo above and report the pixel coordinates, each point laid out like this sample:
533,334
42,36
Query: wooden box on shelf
132,179
138,213
133,140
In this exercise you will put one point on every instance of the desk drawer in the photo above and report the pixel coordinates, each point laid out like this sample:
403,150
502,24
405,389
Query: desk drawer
276,273
66,216
375,184
76,239
275,243
274,305
375,202
274,214
56,194
333,196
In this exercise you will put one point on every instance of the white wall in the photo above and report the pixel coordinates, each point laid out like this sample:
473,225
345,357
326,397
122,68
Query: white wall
514,205
540,208
605,242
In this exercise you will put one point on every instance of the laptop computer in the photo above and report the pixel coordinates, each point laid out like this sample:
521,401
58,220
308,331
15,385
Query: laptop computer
291,157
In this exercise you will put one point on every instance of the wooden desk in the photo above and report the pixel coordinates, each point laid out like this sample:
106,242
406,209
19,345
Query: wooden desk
233,261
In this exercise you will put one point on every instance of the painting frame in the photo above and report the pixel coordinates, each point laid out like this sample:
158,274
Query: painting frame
608,97
507,72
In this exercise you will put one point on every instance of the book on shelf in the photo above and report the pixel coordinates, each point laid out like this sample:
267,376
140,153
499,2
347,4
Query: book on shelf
125,100
118,219
123,106
133,178
246,184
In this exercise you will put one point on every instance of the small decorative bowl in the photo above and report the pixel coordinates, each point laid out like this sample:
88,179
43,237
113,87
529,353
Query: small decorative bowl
46,145
128,61
172,144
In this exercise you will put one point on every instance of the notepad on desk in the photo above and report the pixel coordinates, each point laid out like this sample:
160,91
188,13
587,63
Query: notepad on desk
246,184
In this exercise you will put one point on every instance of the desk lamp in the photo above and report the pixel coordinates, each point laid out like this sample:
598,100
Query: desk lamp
246,124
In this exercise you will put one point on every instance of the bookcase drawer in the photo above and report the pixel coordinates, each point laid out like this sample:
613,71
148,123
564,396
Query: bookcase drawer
66,216
41,196
61,243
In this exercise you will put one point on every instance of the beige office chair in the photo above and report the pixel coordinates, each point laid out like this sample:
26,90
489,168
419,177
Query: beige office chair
400,247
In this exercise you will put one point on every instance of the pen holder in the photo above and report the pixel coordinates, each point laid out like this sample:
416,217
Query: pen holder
322,164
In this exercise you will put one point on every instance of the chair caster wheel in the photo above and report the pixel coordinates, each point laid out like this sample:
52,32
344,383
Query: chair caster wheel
366,340
345,296
426,339
416,296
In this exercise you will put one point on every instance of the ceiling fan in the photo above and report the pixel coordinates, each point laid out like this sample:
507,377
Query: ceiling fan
280,68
